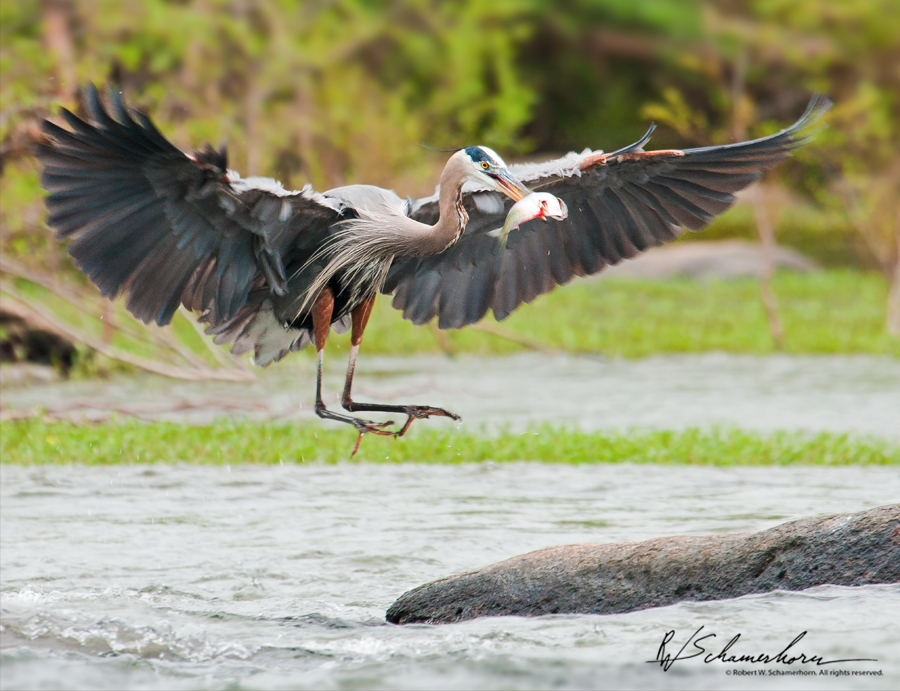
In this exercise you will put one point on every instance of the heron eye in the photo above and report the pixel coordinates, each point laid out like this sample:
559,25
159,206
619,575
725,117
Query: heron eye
485,165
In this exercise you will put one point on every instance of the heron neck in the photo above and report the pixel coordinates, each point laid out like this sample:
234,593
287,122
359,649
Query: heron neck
453,217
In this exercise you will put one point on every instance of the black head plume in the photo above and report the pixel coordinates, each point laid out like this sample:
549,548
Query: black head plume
443,151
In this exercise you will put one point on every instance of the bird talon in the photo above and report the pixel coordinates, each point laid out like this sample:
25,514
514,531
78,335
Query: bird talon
367,427
402,431
423,413
426,412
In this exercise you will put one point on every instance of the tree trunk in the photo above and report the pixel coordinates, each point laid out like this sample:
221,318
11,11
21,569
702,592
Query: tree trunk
56,16
767,239
893,306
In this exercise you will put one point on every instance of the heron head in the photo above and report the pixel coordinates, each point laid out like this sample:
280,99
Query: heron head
488,168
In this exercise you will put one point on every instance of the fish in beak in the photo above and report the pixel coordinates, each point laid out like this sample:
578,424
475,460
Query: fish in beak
535,205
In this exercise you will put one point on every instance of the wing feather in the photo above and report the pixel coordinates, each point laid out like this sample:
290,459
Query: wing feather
619,205
166,228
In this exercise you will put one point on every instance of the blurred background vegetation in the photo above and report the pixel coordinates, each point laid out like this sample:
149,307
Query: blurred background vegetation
338,92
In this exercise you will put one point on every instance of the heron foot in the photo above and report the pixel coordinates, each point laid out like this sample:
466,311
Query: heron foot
422,412
362,426
412,412
369,427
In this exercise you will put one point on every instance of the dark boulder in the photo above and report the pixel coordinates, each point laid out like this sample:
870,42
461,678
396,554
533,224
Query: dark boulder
854,549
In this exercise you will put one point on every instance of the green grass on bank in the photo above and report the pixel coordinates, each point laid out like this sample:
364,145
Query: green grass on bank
233,442
835,311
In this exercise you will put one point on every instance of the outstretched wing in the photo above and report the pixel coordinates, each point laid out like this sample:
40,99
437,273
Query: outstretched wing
619,205
166,228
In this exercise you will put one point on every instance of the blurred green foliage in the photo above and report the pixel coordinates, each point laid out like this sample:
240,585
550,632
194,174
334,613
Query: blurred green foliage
339,92
336,92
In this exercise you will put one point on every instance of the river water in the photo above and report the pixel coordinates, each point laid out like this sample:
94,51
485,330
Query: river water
835,393
247,577
186,577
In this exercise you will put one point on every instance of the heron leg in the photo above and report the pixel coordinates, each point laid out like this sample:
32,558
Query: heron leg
360,318
321,315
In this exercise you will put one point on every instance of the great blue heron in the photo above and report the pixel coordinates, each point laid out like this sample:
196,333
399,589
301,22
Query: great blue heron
271,270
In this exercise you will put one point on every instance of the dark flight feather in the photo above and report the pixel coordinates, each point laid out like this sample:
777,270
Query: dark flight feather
619,205
167,229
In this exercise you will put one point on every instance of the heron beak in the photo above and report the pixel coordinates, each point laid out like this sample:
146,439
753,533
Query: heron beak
508,185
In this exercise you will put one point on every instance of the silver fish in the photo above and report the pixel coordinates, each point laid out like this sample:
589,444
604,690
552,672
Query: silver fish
536,205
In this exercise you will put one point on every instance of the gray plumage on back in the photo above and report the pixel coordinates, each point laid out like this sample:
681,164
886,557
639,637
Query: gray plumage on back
367,197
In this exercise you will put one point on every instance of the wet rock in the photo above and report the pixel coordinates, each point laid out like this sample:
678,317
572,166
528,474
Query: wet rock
854,549
699,259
